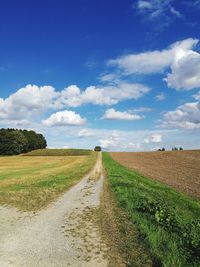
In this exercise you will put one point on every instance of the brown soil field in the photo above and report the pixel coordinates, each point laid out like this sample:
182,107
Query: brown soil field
178,169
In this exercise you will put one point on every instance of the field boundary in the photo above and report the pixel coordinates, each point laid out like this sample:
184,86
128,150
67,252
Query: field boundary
168,221
119,233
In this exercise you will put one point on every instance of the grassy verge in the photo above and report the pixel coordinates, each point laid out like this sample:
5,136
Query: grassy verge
59,152
120,235
31,183
168,222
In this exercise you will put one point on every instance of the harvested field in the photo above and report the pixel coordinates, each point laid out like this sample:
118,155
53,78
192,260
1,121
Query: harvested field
178,169
59,152
31,183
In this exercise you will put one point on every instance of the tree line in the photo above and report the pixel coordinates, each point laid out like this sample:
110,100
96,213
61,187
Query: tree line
17,141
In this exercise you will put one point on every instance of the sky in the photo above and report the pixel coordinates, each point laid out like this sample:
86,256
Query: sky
124,75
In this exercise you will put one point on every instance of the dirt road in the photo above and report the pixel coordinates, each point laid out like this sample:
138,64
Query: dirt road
66,233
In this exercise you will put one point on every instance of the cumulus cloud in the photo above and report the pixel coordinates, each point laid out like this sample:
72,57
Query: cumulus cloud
183,62
33,101
186,116
185,70
64,118
112,114
72,96
26,102
143,63
152,61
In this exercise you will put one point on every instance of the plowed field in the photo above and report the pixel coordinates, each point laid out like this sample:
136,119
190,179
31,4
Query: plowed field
178,169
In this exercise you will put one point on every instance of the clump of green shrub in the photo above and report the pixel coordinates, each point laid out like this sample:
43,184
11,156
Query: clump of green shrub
160,212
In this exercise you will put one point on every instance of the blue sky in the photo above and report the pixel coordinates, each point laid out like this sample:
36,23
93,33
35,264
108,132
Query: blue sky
121,74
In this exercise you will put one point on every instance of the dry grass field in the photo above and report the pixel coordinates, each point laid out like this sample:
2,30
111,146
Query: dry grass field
30,183
178,169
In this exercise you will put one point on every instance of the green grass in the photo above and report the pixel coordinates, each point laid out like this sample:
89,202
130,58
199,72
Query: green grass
168,221
31,183
59,152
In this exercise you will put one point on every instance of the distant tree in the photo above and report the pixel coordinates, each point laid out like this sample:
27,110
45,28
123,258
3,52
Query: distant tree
97,148
180,148
163,149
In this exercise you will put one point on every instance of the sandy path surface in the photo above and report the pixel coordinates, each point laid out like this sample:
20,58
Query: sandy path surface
66,233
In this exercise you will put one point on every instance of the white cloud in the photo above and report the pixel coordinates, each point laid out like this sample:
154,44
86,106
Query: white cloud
27,102
144,63
113,141
32,101
155,138
130,146
72,96
109,78
160,97
119,140
186,116
197,96
64,118
179,57
112,114
107,143
152,61
153,9
185,71
85,133
142,109
144,4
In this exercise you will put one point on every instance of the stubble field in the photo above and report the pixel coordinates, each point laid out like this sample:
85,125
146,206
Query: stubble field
32,182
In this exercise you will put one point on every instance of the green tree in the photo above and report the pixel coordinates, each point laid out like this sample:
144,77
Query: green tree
12,142
97,148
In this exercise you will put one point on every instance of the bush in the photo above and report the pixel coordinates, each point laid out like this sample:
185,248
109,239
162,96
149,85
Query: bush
97,148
